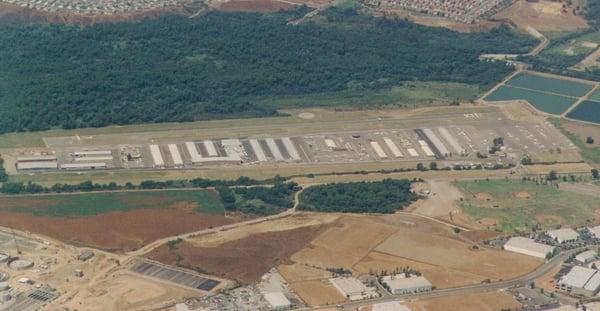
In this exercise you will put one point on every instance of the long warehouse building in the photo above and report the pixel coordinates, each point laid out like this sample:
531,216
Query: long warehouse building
157,156
175,155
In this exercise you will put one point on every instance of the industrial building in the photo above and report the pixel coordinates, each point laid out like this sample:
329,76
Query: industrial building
278,301
353,289
563,235
37,162
528,247
581,281
587,256
595,231
402,284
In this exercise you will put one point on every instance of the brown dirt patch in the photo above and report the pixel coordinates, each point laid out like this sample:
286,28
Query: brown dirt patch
488,222
543,15
263,6
483,196
479,236
550,218
522,195
244,260
436,245
319,292
116,231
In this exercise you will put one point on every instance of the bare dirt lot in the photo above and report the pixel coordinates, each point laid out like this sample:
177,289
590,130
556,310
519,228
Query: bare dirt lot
244,260
491,301
368,244
317,292
263,6
115,231
543,15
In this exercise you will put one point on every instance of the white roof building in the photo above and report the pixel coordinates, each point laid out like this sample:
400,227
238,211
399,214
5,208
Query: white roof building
278,301
595,231
528,247
352,288
37,165
586,256
563,235
581,280
400,284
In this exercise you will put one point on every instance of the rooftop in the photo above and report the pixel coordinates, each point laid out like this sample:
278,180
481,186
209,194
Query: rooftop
578,277
563,234
277,300
399,281
349,286
529,244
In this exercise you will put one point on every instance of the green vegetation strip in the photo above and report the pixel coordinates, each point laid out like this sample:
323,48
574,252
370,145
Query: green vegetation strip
551,85
549,103
385,196
179,69
588,110
89,204
547,206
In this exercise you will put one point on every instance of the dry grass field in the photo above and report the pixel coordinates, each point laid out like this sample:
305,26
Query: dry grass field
317,292
370,244
491,301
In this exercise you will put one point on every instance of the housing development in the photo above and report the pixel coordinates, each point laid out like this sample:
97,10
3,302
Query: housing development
300,155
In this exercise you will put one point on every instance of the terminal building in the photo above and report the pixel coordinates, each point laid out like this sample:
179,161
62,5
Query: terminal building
528,247
565,235
400,284
581,281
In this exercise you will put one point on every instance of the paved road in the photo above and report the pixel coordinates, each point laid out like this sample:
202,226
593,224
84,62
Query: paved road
470,289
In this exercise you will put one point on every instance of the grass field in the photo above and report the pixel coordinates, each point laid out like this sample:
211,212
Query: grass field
582,45
520,206
589,154
595,96
588,110
90,204
549,103
409,94
551,85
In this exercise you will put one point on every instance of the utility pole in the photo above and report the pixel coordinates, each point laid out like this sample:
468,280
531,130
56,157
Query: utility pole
15,238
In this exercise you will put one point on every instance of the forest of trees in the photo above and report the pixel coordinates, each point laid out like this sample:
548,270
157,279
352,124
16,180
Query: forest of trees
259,200
385,196
219,65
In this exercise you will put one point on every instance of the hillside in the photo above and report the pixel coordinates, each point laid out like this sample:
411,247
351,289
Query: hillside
219,65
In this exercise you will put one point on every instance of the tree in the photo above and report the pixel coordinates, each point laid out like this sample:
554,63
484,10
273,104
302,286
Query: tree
526,160
595,173
552,176
433,166
589,140
420,166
